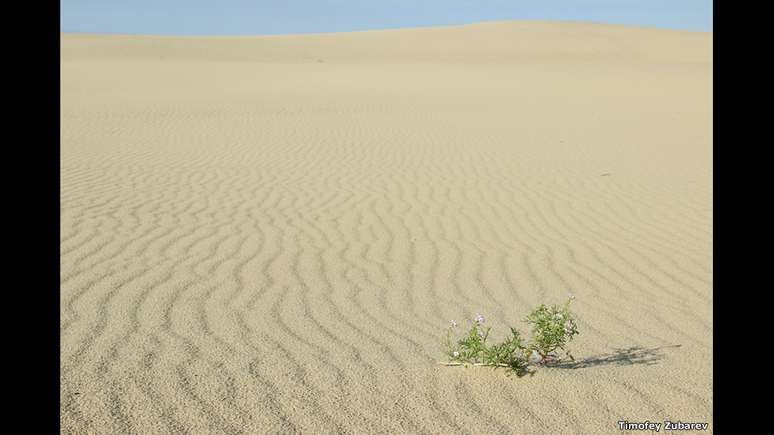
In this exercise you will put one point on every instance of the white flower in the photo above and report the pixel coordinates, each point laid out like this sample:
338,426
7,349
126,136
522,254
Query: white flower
572,297
535,357
453,324
480,319
456,354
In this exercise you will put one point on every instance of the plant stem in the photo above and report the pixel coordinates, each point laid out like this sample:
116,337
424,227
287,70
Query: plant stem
473,364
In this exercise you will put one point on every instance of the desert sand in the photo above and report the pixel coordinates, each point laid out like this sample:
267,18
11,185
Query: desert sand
270,234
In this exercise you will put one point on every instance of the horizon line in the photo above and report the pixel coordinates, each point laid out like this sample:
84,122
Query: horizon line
334,32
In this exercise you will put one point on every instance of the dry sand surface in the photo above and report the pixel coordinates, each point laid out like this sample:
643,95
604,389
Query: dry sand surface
271,234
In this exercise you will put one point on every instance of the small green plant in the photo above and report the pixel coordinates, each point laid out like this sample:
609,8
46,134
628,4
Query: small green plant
553,328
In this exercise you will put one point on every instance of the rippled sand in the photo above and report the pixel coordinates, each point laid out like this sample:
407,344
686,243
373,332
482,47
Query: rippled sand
271,234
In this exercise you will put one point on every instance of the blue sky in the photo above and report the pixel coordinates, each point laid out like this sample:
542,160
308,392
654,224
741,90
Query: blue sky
267,17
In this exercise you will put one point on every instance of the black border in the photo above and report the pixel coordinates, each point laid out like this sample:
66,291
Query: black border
51,156
715,156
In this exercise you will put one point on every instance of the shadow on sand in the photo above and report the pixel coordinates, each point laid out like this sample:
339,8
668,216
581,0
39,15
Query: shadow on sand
620,357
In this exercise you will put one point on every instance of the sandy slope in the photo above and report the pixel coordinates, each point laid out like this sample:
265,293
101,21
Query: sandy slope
270,234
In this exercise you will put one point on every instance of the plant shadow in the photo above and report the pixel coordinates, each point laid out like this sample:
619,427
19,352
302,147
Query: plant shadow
636,355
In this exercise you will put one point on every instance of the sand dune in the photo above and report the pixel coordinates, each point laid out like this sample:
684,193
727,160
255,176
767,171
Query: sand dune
271,234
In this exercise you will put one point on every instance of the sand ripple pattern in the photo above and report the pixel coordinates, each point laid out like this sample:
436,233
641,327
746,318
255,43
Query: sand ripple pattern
277,247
